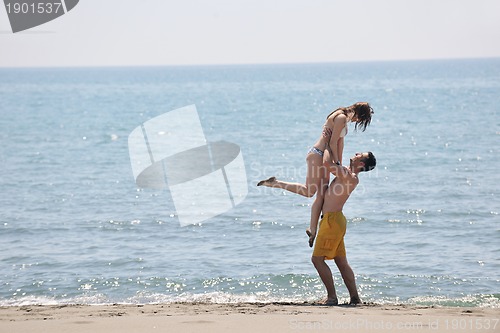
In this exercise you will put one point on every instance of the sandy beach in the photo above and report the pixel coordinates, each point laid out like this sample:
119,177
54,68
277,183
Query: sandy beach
246,317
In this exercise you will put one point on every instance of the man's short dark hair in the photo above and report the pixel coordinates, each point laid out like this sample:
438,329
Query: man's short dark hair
370,162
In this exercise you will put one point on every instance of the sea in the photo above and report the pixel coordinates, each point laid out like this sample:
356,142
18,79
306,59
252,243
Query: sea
423,227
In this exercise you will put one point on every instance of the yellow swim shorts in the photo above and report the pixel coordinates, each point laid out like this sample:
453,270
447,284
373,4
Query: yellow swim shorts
330,238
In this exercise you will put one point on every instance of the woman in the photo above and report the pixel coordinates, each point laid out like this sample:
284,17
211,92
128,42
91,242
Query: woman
332,138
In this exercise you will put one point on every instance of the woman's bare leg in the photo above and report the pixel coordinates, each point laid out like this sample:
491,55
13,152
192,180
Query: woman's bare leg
315,214
317,205
313,179
297,188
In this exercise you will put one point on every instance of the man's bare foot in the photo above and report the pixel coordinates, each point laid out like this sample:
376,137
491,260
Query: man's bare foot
329,301
267,182
311,237
355,301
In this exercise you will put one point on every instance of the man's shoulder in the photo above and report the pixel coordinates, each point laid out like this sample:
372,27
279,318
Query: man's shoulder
346,172
350,176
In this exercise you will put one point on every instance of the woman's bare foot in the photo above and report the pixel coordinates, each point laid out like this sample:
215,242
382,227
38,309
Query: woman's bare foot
311,236
267,182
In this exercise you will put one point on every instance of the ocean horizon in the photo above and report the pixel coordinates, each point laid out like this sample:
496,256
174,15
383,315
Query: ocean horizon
274,64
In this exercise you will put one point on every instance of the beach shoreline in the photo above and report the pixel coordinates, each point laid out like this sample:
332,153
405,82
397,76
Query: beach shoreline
246,317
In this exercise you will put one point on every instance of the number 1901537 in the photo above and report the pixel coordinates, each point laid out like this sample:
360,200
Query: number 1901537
32,8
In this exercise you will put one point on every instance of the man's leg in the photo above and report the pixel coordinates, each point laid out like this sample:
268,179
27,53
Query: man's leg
326,276
348,277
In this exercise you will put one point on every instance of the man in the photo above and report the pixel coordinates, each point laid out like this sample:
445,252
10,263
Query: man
330,239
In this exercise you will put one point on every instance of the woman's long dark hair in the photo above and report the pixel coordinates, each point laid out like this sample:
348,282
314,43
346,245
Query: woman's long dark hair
362,111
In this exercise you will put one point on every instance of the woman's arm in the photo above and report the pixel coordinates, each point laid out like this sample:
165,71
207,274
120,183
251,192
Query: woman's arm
338,125
340,149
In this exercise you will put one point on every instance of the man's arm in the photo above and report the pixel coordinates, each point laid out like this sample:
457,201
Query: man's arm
337,170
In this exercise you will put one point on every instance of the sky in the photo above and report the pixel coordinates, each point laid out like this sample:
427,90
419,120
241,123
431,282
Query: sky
199,32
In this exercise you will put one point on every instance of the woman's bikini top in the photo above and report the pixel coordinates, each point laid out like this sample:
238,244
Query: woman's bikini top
343,132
